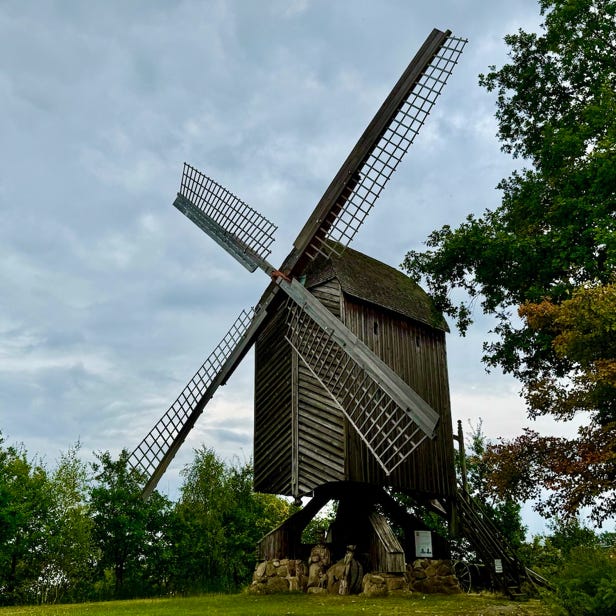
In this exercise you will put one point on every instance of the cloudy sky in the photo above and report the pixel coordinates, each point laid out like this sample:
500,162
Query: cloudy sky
109,298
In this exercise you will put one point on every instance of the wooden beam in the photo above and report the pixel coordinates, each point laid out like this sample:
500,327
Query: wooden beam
321,216
220,379
402,394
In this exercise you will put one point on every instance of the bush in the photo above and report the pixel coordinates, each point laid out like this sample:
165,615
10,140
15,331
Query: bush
586,583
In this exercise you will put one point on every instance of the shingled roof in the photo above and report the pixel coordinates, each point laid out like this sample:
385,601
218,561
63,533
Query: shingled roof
367,279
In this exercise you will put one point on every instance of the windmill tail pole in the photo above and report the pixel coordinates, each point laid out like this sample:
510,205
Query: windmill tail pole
462,450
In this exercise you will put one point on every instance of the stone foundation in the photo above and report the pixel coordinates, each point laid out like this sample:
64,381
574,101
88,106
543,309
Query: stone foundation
374,585
432,577
274,576
382,584
426,576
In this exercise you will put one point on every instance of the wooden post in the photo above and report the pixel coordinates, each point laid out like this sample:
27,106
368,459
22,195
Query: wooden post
295,427
462,456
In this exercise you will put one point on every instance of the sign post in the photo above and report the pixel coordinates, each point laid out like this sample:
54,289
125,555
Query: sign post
423,544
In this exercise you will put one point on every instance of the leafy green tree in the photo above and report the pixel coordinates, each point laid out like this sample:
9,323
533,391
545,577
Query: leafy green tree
200,533
158,550
583,331
25,504
547,554
568,534
220,521
68,572
551,240
585,584
127,528
503,511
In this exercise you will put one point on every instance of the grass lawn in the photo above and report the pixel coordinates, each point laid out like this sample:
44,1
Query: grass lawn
294,605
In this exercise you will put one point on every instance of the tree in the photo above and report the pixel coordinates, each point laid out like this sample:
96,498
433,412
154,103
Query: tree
580,471
221,520
502,510
68,572
550,248
200,533
583,330
25,503
579,565
127,528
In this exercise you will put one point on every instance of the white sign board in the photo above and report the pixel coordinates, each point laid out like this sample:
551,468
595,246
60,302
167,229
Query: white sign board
498,565
423,544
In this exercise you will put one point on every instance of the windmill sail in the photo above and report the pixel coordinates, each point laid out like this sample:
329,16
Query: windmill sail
366,171
389,416
240,230
153,455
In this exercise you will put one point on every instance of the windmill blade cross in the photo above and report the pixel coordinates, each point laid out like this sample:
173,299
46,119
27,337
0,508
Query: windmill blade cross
390,417
359,182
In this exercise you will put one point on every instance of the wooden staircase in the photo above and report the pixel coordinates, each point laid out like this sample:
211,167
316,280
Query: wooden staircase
488,541
492,548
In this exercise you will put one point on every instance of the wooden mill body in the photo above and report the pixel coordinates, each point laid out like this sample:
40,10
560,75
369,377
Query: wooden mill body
301,438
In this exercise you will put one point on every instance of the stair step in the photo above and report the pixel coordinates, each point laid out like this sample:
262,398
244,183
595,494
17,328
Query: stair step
516,594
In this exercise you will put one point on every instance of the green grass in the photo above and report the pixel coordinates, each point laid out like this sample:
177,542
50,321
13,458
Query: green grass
294,605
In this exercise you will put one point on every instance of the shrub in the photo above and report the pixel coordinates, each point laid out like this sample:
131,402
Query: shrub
586,583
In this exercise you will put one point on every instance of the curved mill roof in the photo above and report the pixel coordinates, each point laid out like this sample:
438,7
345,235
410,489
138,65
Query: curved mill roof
372,281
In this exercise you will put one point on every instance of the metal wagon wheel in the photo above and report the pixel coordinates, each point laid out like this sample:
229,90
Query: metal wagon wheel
463,573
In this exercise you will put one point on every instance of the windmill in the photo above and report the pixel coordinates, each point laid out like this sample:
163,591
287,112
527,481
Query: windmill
336,415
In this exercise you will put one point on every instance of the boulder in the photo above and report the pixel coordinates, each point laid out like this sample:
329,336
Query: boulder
317,590
432,576
260,571
277,584
395,582
374,585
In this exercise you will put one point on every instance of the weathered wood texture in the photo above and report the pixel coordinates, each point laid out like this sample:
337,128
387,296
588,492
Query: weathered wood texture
295,455
321,424
273,406
417,353
386,553
280,543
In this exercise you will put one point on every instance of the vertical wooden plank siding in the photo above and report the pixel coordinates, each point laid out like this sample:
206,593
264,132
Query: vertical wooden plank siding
321,424
301,437
386,553
295,489
417,353
273,405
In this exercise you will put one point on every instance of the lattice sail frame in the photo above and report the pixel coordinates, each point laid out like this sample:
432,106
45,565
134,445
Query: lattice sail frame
388,430
366,185
169,432
234,225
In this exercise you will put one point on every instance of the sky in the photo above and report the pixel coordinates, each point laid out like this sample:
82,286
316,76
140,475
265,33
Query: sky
110,299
